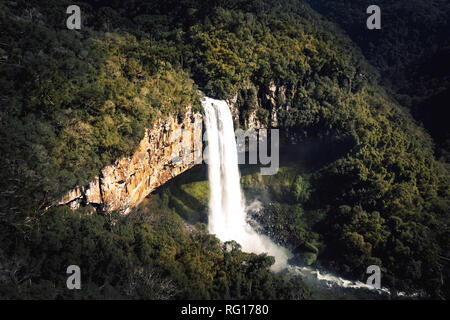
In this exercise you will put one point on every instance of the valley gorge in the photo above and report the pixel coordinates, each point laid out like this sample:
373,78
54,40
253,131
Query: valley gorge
92,120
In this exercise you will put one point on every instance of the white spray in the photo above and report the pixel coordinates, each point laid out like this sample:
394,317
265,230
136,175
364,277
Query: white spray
227,213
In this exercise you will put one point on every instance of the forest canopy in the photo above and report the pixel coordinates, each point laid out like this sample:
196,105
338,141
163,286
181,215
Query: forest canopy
74,101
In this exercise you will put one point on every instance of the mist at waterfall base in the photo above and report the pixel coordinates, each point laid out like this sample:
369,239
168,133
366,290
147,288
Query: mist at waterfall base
227,210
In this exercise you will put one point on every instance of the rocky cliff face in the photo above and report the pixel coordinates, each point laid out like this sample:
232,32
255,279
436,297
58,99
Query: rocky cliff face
266,101
124,184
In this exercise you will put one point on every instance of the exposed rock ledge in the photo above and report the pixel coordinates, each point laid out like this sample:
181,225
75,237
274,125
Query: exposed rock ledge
128,181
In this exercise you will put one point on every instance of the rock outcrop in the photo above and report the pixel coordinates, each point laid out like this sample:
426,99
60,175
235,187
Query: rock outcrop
125,183
266,101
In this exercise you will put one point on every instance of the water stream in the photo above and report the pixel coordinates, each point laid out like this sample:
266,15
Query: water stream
227,212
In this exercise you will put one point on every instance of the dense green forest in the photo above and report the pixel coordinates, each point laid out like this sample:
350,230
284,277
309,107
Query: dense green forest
412,51
73,101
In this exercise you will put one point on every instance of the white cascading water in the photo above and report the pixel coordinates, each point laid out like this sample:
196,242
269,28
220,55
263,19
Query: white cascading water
227,213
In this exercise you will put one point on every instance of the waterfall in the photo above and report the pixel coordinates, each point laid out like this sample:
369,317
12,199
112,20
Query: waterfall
227,213
227,210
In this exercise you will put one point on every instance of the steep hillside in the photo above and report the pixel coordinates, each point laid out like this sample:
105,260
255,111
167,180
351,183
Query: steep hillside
75,101
412,51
